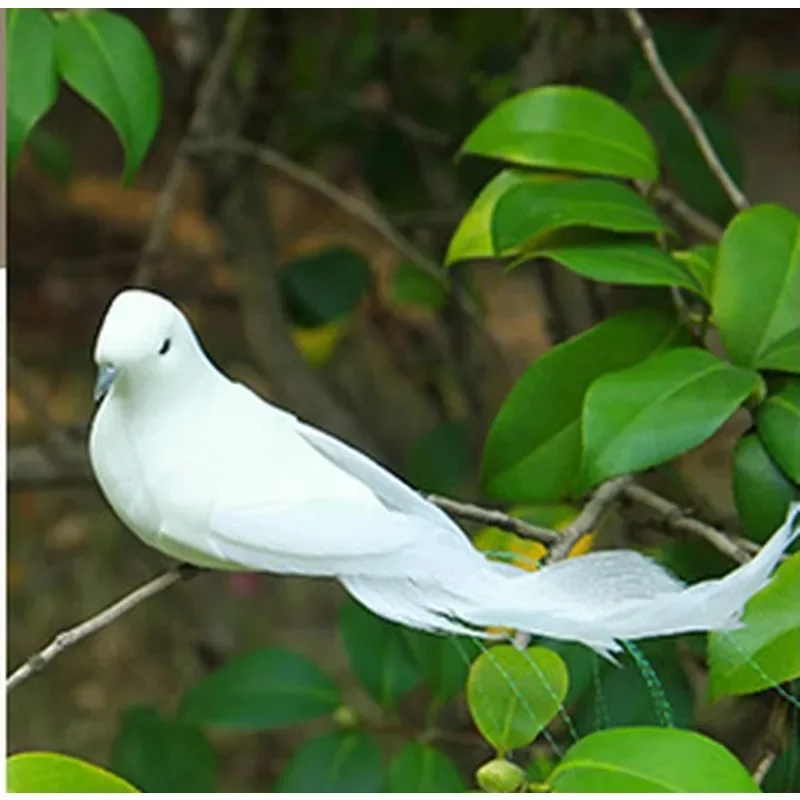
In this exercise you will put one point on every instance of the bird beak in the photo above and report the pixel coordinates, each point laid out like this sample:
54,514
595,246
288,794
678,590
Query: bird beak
106,375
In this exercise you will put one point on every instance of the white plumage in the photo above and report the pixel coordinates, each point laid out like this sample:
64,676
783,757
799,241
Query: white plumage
206,471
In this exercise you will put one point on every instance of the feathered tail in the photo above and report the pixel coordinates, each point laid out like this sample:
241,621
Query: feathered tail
598,599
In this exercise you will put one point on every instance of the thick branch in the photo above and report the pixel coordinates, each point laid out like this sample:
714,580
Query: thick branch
645,37
74,635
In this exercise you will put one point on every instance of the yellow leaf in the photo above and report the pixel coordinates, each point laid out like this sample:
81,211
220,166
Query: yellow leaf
318,344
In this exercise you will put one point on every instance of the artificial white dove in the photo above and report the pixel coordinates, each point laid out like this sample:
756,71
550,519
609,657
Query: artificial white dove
203,469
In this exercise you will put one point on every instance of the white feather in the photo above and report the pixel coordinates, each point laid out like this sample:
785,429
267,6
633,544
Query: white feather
206,471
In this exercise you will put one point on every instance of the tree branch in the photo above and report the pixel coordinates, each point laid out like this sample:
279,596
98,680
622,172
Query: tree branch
72,636
179,169
674,518
701,225
495,518
645,37
604,497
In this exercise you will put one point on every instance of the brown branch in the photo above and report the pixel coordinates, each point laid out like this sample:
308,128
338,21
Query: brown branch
773,740
645,37
701,225
603,498
72,636
674,518
179,169
495,518
354,206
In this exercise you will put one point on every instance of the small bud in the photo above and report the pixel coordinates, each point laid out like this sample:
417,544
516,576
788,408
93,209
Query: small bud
345,717
499,775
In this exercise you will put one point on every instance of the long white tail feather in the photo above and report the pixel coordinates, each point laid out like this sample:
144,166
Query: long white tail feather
599,599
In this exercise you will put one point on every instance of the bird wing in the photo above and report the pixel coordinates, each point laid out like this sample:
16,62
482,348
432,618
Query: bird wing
392,491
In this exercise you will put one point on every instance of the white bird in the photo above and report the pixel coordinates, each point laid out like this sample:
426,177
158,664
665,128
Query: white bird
201,468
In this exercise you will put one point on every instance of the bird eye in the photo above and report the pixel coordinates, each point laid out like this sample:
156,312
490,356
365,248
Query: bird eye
165,345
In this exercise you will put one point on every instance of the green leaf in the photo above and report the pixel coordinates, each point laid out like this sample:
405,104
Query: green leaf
263,689
756,290
473,237
644,759
566,127
440,458
325,286
334,762
513,695
778,421
699,262
53,773
378,652
653,411
421,768
627,697
161,755
636,263
526,214
107,60
533,451
412,286
766,651
761,490
443,661
31,78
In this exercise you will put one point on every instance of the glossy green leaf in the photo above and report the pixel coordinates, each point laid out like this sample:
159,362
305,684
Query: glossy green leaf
378,652
513,695
162,755
338,762
31,78
263,689
644,759
766,651
761,490
653,411
627,697
566,127
325,286
636,263
526,214
53,773
778,421
108,61
473,237
756,290
421,768
533,451
441,459
412,286
443,661
699,262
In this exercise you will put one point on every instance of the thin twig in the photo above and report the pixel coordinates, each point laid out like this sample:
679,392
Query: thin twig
355,206
683,211
179,169
673,517
603,498
67,638
495,518
774,740
645,37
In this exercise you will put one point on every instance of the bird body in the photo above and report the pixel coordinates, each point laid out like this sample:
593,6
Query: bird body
203,469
